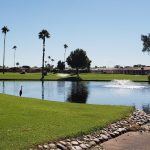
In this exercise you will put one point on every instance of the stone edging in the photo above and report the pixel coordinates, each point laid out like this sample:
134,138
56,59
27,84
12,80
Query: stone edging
133,123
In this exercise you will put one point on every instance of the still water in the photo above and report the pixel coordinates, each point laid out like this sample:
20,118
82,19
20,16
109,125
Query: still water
116,92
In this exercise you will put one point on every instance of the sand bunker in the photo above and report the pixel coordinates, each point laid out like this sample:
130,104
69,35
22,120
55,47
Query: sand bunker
62,75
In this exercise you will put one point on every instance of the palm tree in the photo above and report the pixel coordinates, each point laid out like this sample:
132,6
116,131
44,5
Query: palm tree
42,35
65,47
4,30
49,57
14,47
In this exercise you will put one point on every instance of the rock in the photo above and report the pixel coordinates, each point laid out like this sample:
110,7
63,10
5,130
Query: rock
92,143
62,147
45,146
40,146
83,146
71,148
52,146
121,130
96,140
79,142
104,137
87,145
68,140
74,143
68,144
116,133
101,139
112,135
62,142
77,147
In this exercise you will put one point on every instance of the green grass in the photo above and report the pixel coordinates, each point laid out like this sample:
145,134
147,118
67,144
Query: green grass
25,122
27,76
96,76
83,76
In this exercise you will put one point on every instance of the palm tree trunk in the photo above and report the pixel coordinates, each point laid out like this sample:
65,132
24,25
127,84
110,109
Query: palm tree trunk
4,55
43,59
77,71
14,57
65,56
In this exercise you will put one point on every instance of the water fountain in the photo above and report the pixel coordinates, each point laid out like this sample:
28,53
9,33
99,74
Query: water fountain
126,84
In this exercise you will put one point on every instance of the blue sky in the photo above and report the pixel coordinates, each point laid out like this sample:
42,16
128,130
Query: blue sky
108,30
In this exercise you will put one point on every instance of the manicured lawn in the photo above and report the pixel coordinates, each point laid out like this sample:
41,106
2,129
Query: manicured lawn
96,76
27,76
83,76
25,122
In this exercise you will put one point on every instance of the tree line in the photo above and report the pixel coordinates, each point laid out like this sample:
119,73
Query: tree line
77,59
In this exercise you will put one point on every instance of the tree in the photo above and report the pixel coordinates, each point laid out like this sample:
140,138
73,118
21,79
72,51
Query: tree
14,47
52,61
4,30
146,43
78,59
49,57
65,47
88,64
61,65
17,64
43,35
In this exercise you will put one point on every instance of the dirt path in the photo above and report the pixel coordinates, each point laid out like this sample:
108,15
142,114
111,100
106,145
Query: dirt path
129,141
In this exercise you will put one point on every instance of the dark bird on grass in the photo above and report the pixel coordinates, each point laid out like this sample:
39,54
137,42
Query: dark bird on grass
20,92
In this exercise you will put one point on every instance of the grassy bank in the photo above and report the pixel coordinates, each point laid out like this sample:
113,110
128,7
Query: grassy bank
25,121
83,76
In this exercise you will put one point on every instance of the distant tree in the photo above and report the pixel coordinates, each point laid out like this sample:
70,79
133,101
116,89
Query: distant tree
146,43
65,47
88,64
49,57
117,66
4,30
14,48
45,63
78,59
17,64
60,65
52,61
43,35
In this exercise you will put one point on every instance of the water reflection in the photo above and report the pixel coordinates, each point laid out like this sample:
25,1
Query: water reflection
4,87
146,108
42,89
78,92
81,92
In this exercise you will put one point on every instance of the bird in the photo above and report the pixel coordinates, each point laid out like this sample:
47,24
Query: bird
20,92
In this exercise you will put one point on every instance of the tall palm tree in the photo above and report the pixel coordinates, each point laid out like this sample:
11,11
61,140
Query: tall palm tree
49,57
65,47
43,35
14,47
4,30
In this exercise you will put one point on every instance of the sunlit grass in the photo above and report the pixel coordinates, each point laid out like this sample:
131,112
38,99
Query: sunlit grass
25,122
83,76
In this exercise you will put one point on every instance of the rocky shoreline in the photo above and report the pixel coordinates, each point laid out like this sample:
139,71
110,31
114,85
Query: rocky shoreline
134,122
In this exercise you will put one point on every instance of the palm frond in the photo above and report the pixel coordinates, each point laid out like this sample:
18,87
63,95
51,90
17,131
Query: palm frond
5,30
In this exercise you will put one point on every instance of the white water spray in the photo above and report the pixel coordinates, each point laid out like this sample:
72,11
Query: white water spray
125,84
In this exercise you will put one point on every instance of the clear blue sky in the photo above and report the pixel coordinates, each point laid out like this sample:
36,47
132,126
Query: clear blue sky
109,30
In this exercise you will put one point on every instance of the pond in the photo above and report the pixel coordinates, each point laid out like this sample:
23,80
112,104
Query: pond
116,92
